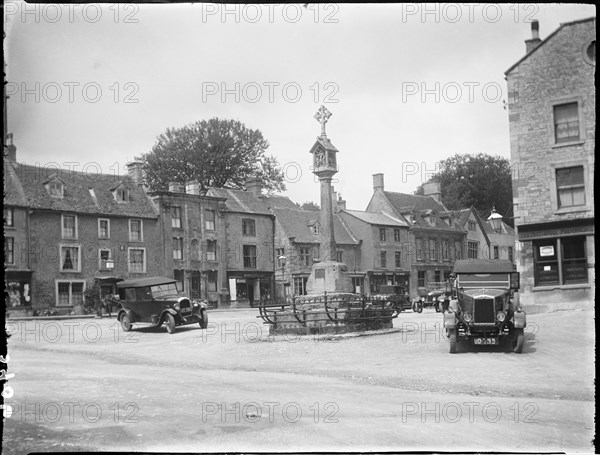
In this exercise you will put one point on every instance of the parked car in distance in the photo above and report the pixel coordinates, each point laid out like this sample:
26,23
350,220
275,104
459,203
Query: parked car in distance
155,301
397,294
482,310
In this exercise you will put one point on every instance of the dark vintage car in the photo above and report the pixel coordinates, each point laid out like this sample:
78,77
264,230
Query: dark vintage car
156,301
481,309
397,294
433,295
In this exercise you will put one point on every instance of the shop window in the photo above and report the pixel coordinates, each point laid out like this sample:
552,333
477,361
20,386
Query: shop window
211,284
560,261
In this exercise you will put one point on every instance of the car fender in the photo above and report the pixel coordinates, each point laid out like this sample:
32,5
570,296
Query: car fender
519,320
449,320
170,311
130,314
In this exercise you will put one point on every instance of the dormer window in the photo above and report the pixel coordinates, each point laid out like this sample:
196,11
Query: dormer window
122,195
55,189
316,229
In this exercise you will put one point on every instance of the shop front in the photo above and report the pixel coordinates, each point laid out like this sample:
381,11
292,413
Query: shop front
18,287
246,289
376,279
557,262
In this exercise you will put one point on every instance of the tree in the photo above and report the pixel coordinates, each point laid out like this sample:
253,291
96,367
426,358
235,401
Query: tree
218,153
482,181
309,205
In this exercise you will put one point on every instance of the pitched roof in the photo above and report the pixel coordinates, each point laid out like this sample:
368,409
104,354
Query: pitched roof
405,202
82,192
378,218
297,223
279,202
548,38
241,201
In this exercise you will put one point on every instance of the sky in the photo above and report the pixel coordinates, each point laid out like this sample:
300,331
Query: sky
92,86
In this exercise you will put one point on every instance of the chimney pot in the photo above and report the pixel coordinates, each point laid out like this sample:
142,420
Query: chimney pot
135,169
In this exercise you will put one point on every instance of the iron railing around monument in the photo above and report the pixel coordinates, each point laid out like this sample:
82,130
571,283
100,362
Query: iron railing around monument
332,308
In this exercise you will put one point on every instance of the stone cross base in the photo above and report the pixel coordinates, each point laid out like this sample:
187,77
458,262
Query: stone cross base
329,276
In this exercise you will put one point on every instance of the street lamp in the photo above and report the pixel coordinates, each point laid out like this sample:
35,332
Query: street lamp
282,260
495,220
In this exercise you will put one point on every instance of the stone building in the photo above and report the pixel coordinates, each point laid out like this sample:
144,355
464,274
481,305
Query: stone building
249,240
552,118
436,238
384,248
193,240
66,230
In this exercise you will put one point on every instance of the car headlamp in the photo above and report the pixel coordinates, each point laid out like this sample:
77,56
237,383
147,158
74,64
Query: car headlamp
467,317
176,306
500,316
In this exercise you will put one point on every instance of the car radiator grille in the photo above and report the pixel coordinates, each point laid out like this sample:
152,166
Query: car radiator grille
484,311
185,306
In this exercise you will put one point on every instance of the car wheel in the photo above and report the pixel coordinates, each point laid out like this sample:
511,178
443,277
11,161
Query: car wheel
170,323
437,308
419,307
452,337
125,322
519,341
204,321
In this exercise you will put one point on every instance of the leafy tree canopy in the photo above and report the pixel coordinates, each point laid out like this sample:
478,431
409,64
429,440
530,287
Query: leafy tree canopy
482,181
216,152
309,206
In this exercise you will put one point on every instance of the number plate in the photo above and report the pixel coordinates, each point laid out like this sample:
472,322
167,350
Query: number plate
493,341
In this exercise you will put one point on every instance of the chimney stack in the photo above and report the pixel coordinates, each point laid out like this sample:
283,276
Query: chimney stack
341,203
135,169
377,182
334,200
254,186
531,44
11,149
175,187
434,190
193,187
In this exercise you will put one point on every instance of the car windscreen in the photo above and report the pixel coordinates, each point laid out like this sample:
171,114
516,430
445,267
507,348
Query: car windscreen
163,290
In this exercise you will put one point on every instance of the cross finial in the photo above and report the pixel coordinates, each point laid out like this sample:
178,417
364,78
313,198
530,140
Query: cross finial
322,116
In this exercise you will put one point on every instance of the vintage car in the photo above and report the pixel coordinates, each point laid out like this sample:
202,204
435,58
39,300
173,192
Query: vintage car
481,309
156,301
396,294
433,295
